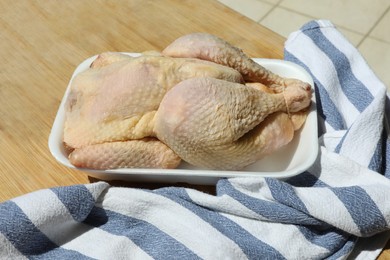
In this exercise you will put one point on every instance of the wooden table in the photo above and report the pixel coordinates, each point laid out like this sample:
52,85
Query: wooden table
41,43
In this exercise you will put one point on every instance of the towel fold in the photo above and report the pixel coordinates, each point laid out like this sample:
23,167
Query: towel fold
338,208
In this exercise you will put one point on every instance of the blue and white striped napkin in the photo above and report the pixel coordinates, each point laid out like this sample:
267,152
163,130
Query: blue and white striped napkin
337,209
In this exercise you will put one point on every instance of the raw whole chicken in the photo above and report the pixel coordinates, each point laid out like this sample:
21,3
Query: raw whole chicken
201,100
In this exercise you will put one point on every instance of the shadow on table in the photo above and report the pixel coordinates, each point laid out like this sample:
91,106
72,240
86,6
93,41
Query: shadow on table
210,189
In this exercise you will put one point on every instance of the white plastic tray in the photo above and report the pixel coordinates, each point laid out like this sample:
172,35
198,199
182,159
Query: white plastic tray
293,159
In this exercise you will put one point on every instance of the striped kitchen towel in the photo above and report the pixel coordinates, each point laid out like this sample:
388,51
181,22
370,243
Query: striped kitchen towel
338,209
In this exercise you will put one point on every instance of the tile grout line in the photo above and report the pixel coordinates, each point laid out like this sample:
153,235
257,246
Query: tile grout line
273,8
373,27
297,12
379,39
317,18
364,36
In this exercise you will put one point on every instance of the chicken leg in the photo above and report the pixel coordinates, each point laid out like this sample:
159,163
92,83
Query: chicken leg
221,125
144,153
212,48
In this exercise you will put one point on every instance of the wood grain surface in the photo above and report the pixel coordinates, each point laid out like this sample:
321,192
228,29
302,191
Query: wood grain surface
42,42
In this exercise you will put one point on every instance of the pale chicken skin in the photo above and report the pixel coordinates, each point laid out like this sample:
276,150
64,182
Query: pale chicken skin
212,48
115,100
216,124
216,109
144,153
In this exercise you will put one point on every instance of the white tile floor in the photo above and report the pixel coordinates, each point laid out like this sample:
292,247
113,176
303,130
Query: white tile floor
365,23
